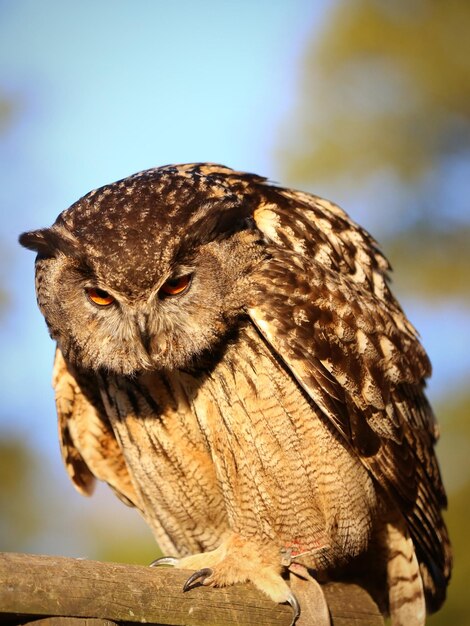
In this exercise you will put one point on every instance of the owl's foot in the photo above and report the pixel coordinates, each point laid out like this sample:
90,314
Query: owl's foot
238,560
203,577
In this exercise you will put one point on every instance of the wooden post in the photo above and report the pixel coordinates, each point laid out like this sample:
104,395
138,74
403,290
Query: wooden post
59,591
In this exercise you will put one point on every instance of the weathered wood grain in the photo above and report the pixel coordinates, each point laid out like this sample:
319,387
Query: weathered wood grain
34,586
71,621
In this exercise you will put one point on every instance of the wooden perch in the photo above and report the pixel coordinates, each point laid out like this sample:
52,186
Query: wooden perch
43,589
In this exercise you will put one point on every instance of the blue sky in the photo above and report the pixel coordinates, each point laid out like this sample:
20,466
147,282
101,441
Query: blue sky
110,87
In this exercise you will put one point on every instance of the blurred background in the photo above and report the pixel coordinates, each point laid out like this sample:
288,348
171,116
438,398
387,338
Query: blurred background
366,102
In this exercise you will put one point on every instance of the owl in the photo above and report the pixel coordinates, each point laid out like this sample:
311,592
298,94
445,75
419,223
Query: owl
231,362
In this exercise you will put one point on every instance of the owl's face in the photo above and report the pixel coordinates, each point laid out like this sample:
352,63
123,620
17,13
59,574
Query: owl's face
146,273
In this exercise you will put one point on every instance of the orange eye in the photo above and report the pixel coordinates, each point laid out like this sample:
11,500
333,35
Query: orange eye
99,296
175,286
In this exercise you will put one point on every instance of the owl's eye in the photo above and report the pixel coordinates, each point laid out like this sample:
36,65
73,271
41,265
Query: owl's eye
175,286
99,296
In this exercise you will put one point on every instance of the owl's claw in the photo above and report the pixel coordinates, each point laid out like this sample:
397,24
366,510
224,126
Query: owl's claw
200,576
165,560
292,600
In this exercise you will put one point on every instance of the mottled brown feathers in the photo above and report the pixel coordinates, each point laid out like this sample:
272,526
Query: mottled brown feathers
273,408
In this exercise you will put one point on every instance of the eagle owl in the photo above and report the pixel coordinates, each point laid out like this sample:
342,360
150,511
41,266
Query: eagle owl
231,361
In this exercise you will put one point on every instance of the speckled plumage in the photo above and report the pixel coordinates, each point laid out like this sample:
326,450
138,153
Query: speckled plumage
271,413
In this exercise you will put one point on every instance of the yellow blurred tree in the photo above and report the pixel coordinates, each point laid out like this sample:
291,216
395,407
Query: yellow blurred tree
19,517
453,450
385,93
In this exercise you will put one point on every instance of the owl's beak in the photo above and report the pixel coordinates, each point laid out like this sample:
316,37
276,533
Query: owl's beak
145,336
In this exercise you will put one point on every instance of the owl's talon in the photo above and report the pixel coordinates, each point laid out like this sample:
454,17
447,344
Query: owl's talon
165,560
292,600
200,576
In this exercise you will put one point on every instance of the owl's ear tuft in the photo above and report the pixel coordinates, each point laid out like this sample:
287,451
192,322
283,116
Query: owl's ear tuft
36,240
46,242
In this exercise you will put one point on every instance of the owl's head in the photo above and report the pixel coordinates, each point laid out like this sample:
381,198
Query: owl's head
148,272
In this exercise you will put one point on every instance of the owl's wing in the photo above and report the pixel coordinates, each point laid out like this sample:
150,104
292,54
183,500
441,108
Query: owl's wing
88,445
323,304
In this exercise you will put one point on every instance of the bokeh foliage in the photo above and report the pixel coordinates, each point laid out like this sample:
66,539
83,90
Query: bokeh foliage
20,517
392,80
385,95
384,104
